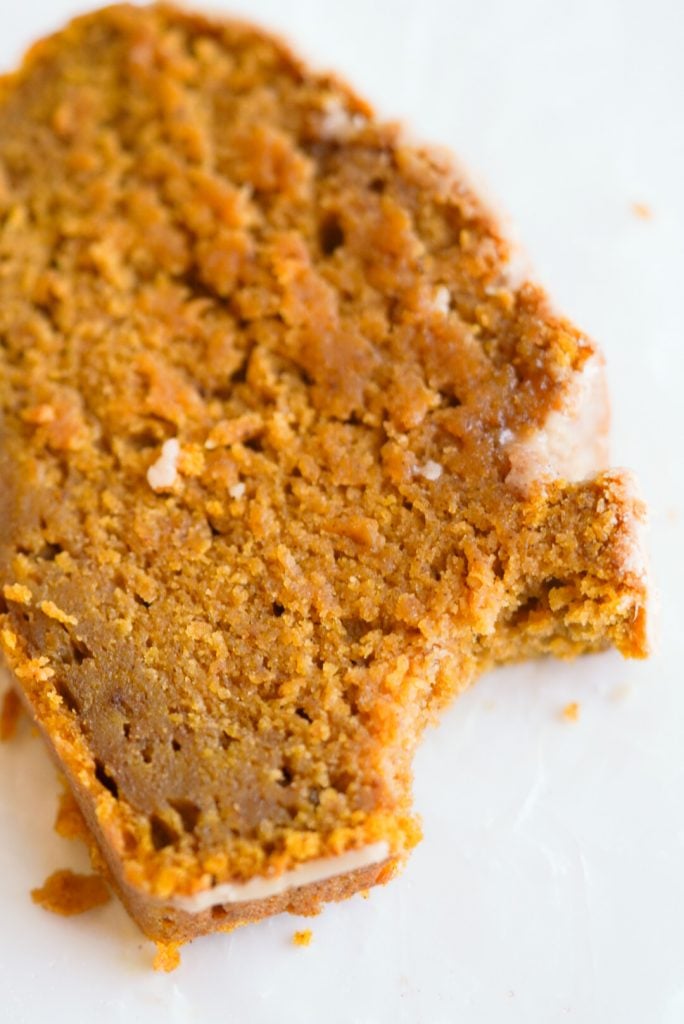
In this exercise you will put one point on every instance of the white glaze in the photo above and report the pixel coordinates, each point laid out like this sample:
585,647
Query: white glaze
441,300
573,444
338,122
163,473
319,870
430,471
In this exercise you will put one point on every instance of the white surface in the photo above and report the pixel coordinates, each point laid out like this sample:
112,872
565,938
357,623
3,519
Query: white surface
550,884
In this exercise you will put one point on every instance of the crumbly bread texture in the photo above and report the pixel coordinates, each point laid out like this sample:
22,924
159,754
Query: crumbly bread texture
265,376
67,893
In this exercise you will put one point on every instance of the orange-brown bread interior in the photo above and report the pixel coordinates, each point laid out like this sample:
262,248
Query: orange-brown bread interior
203,240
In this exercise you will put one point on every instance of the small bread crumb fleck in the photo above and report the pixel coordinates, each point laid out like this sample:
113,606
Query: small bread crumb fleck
17,592
167,957
9,715
642,210
571,711
35,669
50,609
9,639
69,823
302,938
39,414
68,893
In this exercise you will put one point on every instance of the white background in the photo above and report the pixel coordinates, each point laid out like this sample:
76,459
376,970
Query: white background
550,884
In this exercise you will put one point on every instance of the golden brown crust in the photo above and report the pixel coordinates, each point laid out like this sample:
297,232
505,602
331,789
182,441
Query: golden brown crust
259,358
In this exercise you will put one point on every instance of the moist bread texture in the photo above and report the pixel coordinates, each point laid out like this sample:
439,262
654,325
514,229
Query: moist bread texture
287,458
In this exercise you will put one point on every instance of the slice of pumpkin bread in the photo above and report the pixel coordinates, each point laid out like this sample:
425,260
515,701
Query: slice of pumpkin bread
289,457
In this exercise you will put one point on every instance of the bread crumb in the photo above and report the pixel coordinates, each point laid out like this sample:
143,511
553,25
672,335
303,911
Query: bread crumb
35,669
571,711
68,893
9,639
642,210
302,938
69,823
9,715
50,609
38,415
229,432
17,592
167,957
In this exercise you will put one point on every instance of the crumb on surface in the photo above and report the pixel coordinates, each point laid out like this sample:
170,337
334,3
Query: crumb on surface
302,938
167,957
9,715
571,711
70,824
69,821
642,210
67,893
